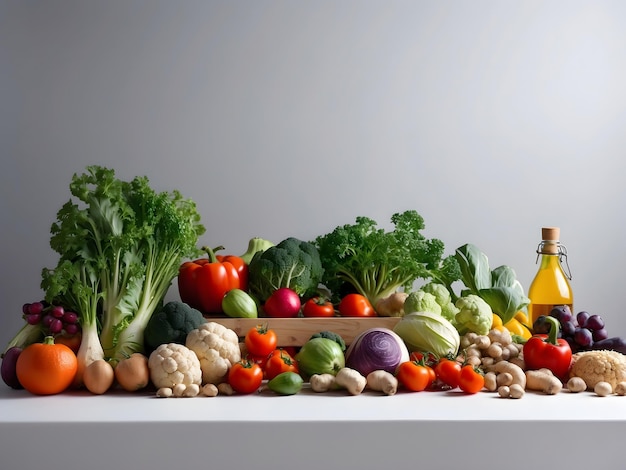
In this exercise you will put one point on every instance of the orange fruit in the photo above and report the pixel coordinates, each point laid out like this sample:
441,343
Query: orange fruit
46,368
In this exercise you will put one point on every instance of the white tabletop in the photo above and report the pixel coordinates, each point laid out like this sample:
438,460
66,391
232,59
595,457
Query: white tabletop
446,428
118,406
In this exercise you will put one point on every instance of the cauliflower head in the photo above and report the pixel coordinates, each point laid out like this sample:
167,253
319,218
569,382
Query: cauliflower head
443,298
449,311
171,364
599,366
420,301
217,348
441,292
474,315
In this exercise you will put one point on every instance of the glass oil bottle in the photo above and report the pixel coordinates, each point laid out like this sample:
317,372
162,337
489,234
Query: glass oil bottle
551,286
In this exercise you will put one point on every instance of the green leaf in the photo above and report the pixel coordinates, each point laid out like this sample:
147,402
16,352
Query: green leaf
474,264
503,276
504,301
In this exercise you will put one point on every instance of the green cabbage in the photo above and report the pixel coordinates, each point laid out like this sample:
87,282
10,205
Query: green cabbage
320,356
429,333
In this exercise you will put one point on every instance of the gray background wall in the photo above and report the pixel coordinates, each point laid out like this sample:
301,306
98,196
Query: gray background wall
490,118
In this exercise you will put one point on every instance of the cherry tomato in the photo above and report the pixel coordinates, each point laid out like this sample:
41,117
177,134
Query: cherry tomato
260,360
471,380
260,341
356,305
318,307
291,350
245,376
414,376
432,375
448,371
428,358
279,361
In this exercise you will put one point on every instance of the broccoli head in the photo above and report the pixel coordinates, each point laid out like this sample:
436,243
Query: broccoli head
170,324
475,315
292,263
337,338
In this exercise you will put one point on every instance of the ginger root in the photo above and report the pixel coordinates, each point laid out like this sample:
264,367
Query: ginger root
382,381
392,305
350,379
543,380
321,383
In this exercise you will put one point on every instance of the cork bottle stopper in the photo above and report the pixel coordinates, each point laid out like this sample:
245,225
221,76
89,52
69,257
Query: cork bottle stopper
550,239
550,233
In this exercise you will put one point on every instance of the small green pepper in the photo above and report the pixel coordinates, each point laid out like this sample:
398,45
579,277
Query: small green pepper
286,383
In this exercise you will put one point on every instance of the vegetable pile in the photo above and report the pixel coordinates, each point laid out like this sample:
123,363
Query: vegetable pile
103,322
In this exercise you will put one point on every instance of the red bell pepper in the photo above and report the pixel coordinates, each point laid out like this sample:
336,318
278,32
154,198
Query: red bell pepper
549,351
202,283
240,265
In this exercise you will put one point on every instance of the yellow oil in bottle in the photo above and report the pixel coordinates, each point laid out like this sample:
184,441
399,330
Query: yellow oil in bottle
551,285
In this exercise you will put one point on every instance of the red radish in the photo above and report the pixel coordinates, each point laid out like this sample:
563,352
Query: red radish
8,367
283,303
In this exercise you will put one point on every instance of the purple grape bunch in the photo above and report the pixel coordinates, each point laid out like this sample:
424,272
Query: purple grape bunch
582,330
54,319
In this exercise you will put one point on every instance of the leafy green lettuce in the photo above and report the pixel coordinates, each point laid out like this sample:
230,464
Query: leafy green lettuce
498,287
120,244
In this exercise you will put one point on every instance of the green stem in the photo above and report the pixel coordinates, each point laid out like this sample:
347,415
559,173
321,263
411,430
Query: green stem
211,252
554,330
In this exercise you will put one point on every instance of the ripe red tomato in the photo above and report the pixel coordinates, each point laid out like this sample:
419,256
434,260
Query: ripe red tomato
245,376
279,361
414,376
356,305
448,371
260,341
283,303
318,307
471,380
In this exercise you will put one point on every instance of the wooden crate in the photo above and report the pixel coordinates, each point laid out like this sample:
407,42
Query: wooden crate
296,331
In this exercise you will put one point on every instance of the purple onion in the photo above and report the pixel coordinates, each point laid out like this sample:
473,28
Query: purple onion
376,349
8,368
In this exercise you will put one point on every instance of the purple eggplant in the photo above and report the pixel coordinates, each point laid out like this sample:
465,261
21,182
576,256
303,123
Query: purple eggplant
614,344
